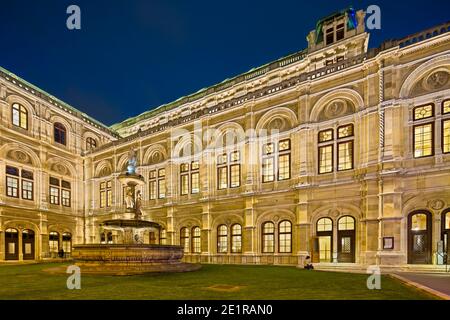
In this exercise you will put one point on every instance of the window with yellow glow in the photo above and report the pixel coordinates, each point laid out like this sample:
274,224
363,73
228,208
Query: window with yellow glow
345,156
446,136
285,237
196,237
326,159
222,239
346,224
446,107
268,237
184,239
19,116
419,222
423,140
236,238
324,224
423,112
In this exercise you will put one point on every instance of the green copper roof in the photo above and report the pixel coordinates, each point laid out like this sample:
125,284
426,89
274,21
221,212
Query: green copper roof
11,77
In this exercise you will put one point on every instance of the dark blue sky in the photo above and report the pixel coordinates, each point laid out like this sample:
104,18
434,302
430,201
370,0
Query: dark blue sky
132,56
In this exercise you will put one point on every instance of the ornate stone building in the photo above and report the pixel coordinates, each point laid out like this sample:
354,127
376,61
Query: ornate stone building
338,151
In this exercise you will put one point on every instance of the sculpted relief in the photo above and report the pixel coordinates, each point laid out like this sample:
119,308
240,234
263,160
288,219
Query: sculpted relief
435,80
337,108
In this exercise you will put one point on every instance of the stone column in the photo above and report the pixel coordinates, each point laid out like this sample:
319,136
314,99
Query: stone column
171,232
20,245
2,245
302,231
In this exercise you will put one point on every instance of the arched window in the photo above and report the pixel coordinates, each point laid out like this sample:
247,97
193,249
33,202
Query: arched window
162,236
67,242
184,239
268,237
19,116
53,242
222,239
91,143
236,238
285,237
346,224
196,243
325,225
420,237
59,133
419,222
324,229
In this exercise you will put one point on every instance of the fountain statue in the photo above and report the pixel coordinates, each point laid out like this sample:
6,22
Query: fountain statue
132,255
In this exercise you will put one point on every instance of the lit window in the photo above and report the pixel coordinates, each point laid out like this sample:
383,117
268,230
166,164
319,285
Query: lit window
184,239
190,174
345,156
59,133
27,185
326,135
324,225
196,240
345,131
195,182
55,185
423,112
222,239
268,170
446,136
19,116
67,242
284,164
423,140
12,182
65,193
152,185
446,107
53,242
419,222
268,237
285,237
346,224
326,159
222,177
235,175
106,194
236,238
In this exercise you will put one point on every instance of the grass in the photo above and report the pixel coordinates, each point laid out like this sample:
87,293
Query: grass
212,282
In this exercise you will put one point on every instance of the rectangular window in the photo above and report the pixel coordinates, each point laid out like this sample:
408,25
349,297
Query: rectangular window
161,188
54,195
446,136
268,170
424,112
423,140
284,167
184,184
235,175
222,177
326,159
340,32
325,136
152,187
195,182
345,156
65,197
27,190
345,131
106,194
329,36
446,107
12,187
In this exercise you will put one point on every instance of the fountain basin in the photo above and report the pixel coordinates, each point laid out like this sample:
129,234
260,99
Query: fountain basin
129,259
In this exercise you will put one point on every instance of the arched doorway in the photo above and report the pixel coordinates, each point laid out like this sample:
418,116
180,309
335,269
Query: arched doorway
67,243
419,237
445,222
53,243
346,239
11,244
28,244
324,232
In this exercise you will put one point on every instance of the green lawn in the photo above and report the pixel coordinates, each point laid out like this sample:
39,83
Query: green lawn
211,282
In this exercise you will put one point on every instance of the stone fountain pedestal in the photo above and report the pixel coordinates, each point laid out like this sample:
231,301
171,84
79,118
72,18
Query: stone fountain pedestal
131,256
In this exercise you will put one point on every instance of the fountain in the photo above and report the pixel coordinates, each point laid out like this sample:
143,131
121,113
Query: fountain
132,256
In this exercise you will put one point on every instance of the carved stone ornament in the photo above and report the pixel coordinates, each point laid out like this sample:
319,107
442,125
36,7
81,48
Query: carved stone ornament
437,80
334,213
19,156
436,204
61,169
335,109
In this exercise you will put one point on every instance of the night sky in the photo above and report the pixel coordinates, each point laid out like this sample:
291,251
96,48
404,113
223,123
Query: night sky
132,56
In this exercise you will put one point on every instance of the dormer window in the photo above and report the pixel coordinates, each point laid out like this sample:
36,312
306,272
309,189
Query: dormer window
334,33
